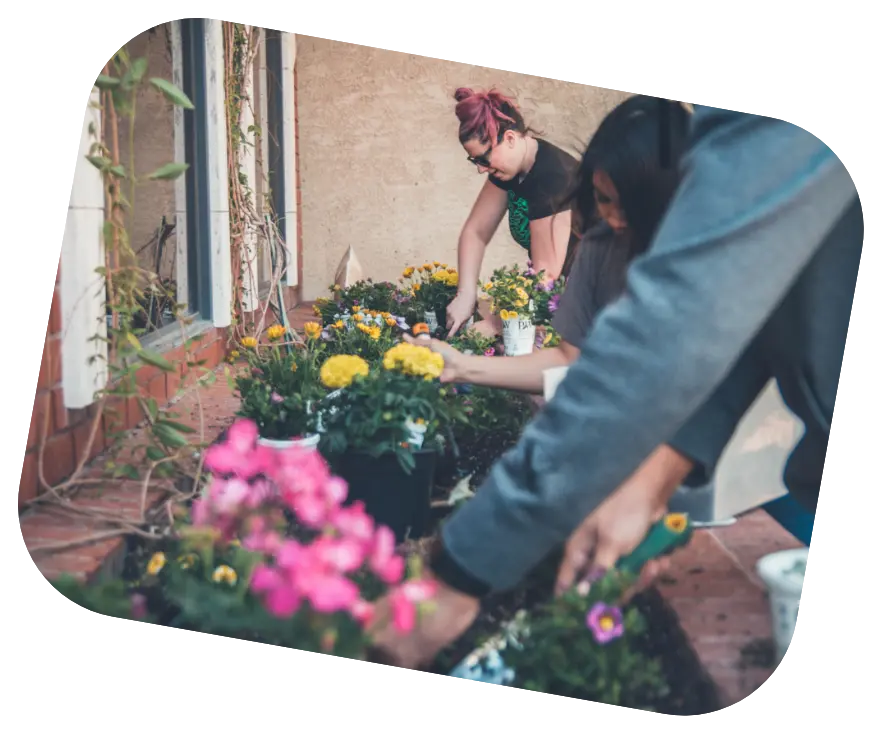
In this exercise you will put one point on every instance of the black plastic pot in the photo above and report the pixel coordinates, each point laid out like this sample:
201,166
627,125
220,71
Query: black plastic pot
391,496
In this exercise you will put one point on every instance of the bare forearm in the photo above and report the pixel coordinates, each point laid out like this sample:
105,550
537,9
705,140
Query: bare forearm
469,259
523,374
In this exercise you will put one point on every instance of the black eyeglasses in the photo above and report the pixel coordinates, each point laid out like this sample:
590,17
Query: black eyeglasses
483,159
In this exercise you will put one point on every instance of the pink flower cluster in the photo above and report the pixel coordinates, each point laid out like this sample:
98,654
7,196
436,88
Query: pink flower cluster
251,484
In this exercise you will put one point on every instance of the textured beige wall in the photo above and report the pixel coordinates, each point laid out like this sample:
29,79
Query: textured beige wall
381,167
154,146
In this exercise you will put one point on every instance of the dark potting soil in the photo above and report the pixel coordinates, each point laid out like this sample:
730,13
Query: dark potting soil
691,692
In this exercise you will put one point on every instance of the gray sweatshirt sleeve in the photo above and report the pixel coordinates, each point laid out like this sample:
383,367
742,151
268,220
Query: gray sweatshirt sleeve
756,200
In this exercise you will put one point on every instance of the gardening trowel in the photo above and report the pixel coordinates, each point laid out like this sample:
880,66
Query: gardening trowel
486,663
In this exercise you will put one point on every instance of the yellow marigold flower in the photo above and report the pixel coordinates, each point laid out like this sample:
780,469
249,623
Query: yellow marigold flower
358,317
374,332
356,309
249,342
224,575
362,328
338,325
420,328
452,278
407,272
156,564
391,322
312,329
676,522
438,265
416,287
413,360
427,267
187,561
275,332
341,369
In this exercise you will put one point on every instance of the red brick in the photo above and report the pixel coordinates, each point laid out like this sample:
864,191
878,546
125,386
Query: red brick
41,405
81,433
59,412
54,325
28,484
58,457
134,413
156,389
50,367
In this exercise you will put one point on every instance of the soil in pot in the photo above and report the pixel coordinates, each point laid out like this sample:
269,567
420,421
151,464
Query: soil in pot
390,495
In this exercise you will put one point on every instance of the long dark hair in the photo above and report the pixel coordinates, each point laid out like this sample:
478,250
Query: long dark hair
638,145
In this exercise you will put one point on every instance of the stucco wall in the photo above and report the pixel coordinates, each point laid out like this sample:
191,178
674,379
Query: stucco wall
381,168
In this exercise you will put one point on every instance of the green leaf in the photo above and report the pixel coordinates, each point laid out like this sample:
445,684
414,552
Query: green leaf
152,408
155,454
106,82
169,436
133,340
168,172
155,360
172,93
128,471
118,171
100,162
175,425
138,69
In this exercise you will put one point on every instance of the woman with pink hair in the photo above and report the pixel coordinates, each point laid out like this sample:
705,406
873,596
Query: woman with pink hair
527,177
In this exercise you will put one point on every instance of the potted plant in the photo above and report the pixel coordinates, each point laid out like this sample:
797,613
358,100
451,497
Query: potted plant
382,435
431,287
783,573
280,385
583,644
368,334
524,299
237,567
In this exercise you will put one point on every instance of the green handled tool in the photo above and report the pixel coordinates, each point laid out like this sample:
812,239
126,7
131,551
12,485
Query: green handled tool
673,531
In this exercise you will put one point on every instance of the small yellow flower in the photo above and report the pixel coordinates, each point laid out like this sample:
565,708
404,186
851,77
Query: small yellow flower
235,354
444,265
416,287
522,294
427,267
316,310
293,366
224,575
312,329
503,314
407,272
338,324
275,332
156,564
359,317
391,322
337,288
374,332
356,309
249,342
420,421
676,522
438,264
187,561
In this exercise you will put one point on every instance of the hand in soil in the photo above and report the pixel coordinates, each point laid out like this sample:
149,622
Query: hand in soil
459,311
449,615
612,531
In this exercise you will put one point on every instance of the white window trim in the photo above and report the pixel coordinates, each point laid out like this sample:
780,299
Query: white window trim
289,58
83,315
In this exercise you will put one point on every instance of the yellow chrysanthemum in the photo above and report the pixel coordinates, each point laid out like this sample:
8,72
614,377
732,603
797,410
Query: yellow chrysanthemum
224,575
416,287
156,564
356,309
338,325
358,317
362,328
341,369
407,272
275,332
438,264
414,360
312,329
374,332
391,322
427,267
249,342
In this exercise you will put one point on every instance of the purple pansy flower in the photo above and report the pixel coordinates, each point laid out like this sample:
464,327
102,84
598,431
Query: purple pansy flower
605,622
554,303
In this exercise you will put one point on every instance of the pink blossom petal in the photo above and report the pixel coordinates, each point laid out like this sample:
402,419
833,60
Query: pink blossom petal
333,594
403,613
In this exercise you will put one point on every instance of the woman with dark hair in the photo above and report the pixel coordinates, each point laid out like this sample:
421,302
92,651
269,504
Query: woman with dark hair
527,177
627,178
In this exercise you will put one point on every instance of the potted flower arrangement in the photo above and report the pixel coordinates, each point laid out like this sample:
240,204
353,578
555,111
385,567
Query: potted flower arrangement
471,341
237,569
278,387
783,573
382,435
524,299
368,334
581,645
431,287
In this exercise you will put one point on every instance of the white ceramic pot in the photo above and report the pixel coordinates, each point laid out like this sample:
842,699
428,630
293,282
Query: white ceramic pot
783,574
307,442
518,336
417,434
